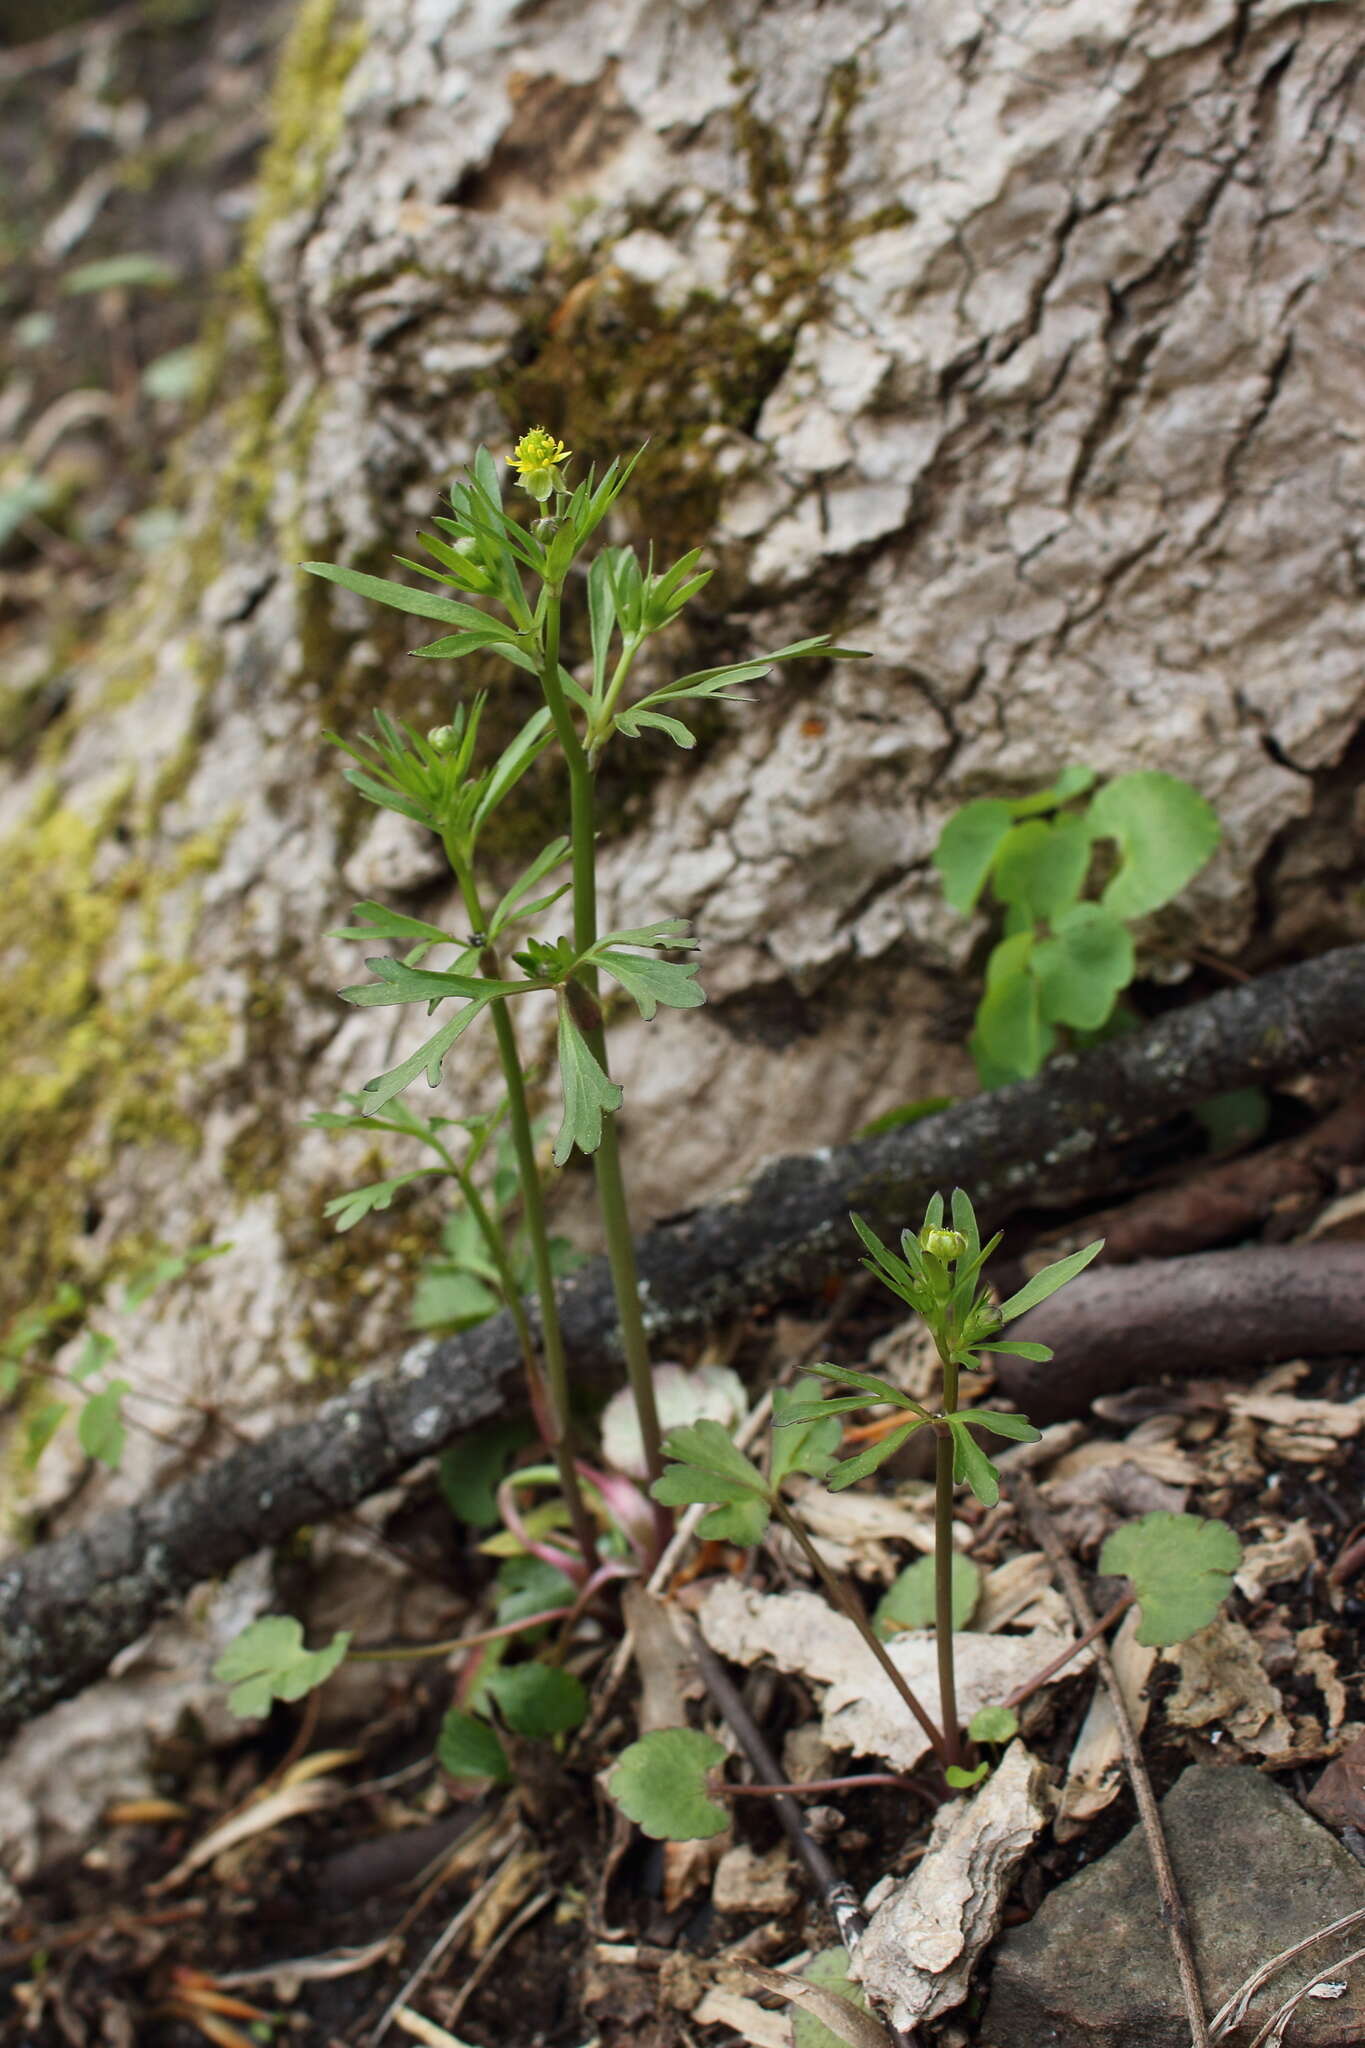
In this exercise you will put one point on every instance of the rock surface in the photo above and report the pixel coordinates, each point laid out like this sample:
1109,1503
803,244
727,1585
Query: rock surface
1093,1968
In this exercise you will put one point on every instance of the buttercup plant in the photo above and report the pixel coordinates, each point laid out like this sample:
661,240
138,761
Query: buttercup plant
1180,1566
519,576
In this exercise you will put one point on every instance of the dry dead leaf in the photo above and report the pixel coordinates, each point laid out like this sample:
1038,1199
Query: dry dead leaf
1317,1660
856,2029
743,2016
1223,1684
1342,1220
1094,1775
687,1869
257,1819
1020,1591
924,1937
510,1889
862,1710
855,1532
1335,1419
667,1674
749,1883
1285,1553
1090,1504
1338,1797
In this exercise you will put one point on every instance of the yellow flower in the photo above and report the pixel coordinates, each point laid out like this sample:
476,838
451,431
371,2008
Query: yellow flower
536,459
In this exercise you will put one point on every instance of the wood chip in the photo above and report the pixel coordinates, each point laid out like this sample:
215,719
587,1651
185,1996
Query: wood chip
1094,1776
925,1935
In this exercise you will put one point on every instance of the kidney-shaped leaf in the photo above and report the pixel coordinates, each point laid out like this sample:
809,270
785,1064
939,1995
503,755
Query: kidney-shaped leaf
1181,1567
659,1782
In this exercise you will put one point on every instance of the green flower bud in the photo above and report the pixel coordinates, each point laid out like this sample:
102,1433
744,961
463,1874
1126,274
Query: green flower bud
943,1244
443,739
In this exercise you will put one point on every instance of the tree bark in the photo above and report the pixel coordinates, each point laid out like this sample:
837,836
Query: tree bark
68,1607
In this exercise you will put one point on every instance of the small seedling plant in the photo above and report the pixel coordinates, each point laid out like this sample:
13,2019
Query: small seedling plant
1179,1565
1066,953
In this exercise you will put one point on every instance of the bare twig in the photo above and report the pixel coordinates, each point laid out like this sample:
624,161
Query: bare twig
840,1900
1044,1532
1272,2033
495,1948
1233,2010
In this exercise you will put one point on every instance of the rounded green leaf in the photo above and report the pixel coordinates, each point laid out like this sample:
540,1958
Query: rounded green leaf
659,1782
1181,1568
539,1699
993,1724
1011,1031
909,1601
1165,832
966,848
268,1662
468,1748
1041,867
1083,966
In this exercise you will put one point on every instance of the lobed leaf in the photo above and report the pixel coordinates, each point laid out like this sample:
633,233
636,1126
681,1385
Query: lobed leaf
588,1094
1181,1569
910,1600
268,1662
1166,832
660,1782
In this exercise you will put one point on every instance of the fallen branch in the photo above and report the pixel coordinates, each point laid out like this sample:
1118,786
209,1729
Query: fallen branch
1044,1532
1121,1326
68,1607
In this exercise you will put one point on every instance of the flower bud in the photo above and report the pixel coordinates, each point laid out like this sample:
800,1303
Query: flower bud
943,1244
443,739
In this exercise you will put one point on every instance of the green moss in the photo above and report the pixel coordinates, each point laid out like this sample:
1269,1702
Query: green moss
91,1066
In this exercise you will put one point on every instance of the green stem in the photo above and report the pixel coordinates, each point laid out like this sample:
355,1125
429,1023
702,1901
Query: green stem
848,1606
943,1570
533,1213
611,1190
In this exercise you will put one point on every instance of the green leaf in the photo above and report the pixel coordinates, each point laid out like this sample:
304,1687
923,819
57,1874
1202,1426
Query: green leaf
632,722
532,1585
470,1469
904,1113
993,1724
176,375
961,1779
649,982
851,1470
1041,867
172,1266
810,1444
268,1662
1165,831
707,1447
427,1059
41,1423
660,1782
97,1350
119,273
1073,781
1181,1569
588,1094
100,1427
874,1390
1237,1117
1010,1027
450,1298
513,903
967,847
347,1210
829,1972
909,1601
376,921
426,604
1049,1280
971,1465
1002,1424
468,1748
539,1699
1083,966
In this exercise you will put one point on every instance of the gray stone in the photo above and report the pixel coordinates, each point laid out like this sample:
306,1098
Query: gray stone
1094,1969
